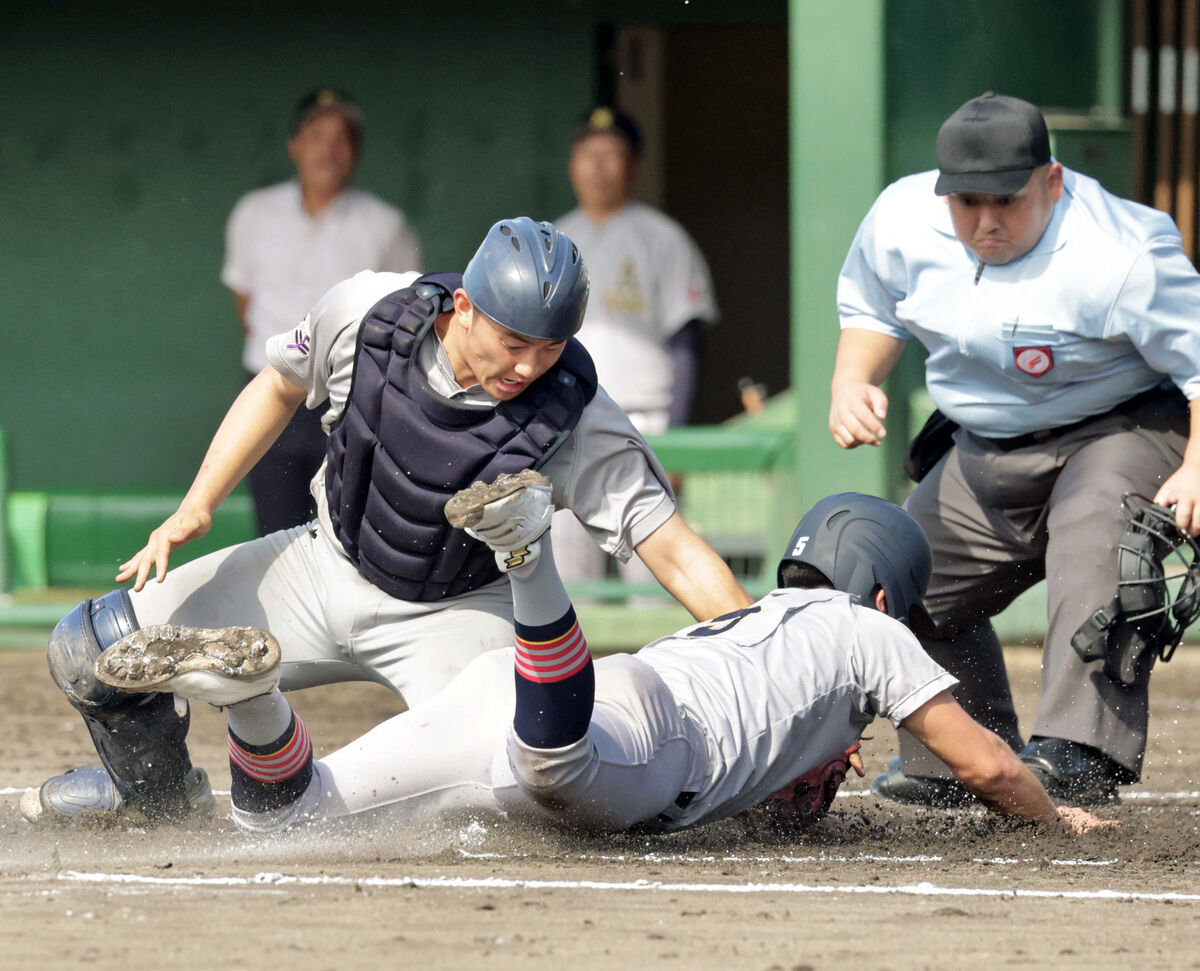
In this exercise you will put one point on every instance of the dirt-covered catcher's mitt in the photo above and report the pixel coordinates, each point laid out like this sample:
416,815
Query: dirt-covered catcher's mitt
804,800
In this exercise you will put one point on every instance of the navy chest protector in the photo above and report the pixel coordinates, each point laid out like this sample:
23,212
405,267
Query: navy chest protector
400,449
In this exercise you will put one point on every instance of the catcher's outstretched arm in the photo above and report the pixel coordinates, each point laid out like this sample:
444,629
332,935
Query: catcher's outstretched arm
253,422
690,570
984,763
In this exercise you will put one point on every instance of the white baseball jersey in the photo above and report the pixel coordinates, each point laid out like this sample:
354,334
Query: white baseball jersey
283,258
1103,307
648,278
729,711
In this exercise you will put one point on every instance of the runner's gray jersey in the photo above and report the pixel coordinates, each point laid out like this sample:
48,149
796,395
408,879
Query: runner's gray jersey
775,700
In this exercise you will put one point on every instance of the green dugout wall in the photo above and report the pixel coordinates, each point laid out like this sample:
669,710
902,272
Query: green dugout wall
130,129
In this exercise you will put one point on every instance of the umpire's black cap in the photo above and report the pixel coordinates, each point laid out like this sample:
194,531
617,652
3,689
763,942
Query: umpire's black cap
991,146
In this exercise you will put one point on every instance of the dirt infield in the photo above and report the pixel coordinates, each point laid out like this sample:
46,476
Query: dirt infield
899,889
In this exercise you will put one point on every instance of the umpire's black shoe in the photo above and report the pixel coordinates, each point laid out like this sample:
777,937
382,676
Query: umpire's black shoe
918,790
1074,773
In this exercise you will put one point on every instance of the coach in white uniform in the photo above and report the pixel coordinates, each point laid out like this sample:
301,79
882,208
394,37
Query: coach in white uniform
426,389
652,299
704,724
287,244
1063,330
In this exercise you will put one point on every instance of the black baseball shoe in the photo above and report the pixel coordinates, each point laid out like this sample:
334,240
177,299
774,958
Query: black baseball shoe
916,790
1074,773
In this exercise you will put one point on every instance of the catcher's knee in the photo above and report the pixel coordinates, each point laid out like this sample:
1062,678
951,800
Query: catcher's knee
77,641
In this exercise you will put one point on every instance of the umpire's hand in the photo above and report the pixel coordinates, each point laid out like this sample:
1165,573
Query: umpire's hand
1182,490
856,415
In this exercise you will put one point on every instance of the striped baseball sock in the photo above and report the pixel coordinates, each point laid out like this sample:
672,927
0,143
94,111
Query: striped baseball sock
556,684
270,776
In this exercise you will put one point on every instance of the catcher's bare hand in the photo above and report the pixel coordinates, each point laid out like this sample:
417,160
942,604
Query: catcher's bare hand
856,415
182,527
1078,820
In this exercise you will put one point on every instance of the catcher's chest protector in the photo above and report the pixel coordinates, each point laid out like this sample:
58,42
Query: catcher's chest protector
400,450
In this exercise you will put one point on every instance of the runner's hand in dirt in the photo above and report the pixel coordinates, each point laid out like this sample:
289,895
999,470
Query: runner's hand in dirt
1081,821
185,525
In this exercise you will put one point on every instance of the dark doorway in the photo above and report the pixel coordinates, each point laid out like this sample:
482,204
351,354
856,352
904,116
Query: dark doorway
713,105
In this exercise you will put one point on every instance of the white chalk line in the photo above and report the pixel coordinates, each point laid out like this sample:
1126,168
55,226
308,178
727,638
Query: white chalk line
853,859
923,889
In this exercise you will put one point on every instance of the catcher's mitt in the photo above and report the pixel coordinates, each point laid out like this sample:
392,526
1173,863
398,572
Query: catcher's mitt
804,800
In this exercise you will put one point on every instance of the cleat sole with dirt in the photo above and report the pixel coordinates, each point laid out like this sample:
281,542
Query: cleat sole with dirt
465,508
221,666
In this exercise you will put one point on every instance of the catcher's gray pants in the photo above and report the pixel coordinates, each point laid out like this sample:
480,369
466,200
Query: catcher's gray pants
999,522
332,625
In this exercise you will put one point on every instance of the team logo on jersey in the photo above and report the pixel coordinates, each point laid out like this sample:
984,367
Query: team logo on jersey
300,342
626,296
1034,361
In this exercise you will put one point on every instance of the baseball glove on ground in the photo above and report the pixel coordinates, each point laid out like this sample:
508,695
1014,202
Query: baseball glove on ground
803,801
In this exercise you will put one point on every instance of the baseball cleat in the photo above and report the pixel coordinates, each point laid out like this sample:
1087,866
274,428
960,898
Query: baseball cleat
1076,774
91,792
509,515
221,666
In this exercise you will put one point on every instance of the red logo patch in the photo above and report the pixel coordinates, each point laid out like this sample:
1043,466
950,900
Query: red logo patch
1034,361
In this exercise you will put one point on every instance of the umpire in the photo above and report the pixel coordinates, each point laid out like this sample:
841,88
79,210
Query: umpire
1063,330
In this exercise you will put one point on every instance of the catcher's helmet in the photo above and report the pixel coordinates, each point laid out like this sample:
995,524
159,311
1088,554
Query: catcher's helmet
1158,595
863,543
529,277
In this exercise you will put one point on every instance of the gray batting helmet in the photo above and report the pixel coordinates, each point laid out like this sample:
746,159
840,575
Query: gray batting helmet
529,277
863,543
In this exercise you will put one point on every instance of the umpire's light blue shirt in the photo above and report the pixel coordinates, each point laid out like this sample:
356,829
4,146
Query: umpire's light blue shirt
1099,310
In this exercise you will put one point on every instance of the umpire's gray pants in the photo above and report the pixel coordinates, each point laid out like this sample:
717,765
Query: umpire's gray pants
998,522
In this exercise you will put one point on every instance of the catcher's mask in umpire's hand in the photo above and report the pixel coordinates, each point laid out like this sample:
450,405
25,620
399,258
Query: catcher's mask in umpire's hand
1158,595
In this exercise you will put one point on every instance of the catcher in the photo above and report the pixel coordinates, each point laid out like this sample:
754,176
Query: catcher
697,726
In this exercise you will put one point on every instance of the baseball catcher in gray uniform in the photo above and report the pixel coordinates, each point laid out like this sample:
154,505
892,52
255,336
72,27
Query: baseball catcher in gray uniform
763,703
433,382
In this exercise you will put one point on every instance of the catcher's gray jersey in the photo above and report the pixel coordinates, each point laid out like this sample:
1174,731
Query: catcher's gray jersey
332,623
605,473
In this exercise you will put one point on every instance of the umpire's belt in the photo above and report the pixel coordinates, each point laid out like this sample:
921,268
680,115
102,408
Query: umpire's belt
1168,395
